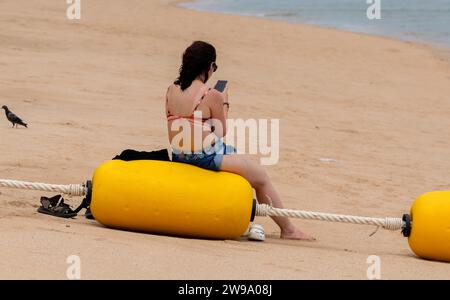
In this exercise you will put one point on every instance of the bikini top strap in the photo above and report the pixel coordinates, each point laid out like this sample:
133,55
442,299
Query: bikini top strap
201,99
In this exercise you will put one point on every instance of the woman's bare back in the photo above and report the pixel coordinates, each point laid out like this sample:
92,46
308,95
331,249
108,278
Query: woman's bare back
182,104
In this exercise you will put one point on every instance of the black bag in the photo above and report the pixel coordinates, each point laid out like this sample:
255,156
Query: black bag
129,155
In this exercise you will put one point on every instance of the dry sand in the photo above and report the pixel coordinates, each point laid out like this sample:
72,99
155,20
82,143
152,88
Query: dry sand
93,87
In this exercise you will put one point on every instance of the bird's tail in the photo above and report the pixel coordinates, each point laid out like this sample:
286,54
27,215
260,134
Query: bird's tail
23,124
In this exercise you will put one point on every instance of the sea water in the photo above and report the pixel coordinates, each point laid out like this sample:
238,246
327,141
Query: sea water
413,20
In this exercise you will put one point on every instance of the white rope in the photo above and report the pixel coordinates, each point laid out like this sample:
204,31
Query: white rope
70,189
261,209
387,223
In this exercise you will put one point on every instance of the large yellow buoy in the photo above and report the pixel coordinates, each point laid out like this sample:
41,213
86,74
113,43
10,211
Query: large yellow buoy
430,231
179,199
171,198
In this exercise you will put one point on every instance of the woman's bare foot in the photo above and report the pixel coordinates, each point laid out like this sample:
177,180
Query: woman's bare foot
296,234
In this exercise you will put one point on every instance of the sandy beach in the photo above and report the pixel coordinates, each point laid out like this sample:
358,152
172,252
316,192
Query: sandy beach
376,108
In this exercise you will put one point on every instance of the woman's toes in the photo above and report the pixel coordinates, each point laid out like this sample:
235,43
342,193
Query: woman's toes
296,235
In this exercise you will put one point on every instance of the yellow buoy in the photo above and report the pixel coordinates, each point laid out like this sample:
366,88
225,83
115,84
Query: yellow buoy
171,198
430,232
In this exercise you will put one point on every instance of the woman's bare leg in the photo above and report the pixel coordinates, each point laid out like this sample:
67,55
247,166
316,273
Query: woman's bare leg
266,193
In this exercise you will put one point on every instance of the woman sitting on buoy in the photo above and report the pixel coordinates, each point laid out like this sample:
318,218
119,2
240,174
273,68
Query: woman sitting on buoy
196,116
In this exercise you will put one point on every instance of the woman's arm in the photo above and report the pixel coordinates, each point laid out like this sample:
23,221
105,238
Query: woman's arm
226,103
167,100
219,113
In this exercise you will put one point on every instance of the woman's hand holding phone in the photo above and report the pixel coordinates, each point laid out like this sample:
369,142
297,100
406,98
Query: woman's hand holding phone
223,87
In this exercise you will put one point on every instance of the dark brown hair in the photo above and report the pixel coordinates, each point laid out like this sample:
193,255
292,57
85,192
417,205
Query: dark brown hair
197,60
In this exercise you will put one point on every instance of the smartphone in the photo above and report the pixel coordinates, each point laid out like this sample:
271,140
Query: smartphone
220,85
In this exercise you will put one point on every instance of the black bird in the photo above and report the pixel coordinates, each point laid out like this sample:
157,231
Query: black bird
15,120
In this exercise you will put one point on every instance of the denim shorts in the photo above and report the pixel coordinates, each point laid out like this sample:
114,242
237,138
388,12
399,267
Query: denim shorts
210,158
